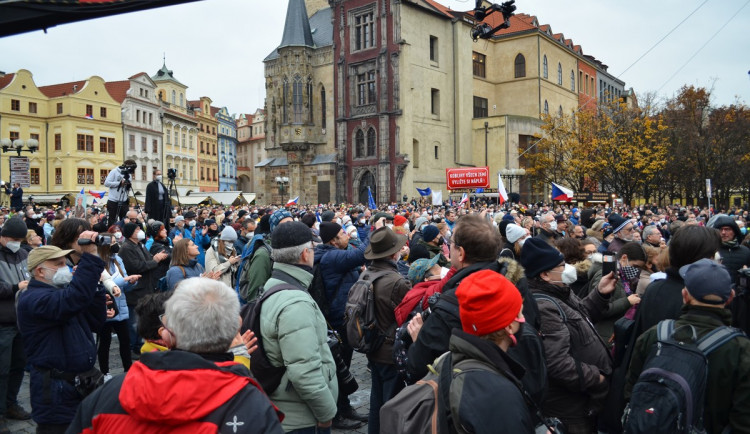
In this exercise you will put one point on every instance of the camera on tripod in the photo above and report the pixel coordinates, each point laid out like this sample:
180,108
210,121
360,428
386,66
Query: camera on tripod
172,174
126,170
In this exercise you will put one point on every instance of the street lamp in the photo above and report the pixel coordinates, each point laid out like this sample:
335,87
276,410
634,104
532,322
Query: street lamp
510,175
17,145
282,182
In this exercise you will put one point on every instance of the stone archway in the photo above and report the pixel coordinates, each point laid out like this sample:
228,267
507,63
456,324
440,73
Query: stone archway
367,180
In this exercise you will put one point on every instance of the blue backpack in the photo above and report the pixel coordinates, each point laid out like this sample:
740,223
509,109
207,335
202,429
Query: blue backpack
669,394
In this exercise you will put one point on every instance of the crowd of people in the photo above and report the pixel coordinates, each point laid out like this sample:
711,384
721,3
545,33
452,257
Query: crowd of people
559,304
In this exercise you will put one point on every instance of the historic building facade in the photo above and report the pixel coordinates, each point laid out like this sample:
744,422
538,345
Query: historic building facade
141,126
301,158
180,131
208,166
227,141
251,146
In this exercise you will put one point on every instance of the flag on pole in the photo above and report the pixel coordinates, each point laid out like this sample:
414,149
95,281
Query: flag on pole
502,195
89,117
425,192
99,194
437,197
561,193
292,201
370,200
464,199
480,190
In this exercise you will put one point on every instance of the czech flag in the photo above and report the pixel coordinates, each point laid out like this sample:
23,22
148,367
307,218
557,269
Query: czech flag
561,193
292,201
425,192
89,117
99,194
502,195
464,199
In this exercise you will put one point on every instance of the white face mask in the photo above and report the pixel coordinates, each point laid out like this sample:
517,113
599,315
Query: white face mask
118,235
522,240
406,226
192,223
13,246
62,276
569,275
362,221
141,236
553,225
448,233
158,178
228,245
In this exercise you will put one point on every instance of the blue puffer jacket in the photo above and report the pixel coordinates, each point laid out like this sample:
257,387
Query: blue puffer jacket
177,273
57,326
122,303
340,269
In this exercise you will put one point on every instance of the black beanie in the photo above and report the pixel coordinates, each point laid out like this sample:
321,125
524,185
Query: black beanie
14,227
502,226
264,225
128,229
290,234
328,231
538,256
308,219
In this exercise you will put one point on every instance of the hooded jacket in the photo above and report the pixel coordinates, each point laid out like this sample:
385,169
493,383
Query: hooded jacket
138,260
733,255
178,390
12,270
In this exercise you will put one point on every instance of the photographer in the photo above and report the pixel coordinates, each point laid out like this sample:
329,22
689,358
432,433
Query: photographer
158,205
118,181
57,315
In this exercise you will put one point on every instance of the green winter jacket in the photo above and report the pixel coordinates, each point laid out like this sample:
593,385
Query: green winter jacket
295,335
728,384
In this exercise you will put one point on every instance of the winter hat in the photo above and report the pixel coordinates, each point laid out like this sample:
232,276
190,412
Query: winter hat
420,267
329,231
178,219
327,216
429,233
418,252
210,222
538,256
420,221
228,234
264,225
154,227
290,234
127,230
14,228
618,222
277,217
380,215
190,215
706,277
607,230
597,226
241,213
514,233
508,218
502,227
308,219
487,302
399,220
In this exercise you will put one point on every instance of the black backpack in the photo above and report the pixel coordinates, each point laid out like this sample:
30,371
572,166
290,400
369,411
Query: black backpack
268,376
669,394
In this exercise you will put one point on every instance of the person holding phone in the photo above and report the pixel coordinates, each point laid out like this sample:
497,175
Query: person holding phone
222,257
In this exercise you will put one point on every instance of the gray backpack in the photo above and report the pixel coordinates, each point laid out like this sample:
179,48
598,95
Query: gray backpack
362,331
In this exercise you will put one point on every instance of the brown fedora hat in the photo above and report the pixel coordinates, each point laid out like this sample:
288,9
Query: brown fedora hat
383,243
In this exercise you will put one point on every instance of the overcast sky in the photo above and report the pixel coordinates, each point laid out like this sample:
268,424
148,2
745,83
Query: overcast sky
216,47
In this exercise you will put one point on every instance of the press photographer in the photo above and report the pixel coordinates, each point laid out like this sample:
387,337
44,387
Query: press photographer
118,181
57,314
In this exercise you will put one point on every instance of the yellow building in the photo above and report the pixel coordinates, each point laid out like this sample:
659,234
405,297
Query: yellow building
208,159
180,131
78,128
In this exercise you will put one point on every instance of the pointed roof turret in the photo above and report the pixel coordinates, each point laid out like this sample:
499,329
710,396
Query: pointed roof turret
165,74
297,26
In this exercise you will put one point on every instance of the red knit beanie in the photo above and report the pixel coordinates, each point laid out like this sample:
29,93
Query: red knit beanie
487,302
399,220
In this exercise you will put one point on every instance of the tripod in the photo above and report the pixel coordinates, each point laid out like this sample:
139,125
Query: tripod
128,192
170,186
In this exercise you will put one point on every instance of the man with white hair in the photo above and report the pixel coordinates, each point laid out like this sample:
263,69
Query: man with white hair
548,227
196,387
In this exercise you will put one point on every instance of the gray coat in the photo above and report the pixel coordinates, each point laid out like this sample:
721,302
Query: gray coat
12,270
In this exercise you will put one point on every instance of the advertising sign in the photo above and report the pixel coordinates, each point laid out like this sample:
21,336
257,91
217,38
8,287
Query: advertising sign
467,177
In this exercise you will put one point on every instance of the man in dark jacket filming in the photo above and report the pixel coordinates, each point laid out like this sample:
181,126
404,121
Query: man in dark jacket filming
734,255
57,315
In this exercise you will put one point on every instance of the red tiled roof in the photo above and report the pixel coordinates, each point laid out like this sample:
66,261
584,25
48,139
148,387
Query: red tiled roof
138,75
214,110
56,90
118,90
440,8
5,80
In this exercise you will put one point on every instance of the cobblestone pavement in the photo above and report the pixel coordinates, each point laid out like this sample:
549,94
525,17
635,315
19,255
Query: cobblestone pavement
360,399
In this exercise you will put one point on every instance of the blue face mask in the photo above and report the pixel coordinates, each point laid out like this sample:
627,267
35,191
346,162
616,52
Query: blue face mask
743,230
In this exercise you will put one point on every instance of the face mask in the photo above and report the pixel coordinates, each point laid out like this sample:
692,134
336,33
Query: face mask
522,240
630,273
192,223
114,248
158,178
362,221
553,225
388,225
448,233
569,275
118,235
228,245
406,226
13,246
141,236
62,276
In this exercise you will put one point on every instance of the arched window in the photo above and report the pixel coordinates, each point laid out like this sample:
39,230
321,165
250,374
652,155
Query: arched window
323,107
284,93
520,64
310,101
559,74
545,72
546,107
371,142
174,97
297,99
359,144
182,100
572,81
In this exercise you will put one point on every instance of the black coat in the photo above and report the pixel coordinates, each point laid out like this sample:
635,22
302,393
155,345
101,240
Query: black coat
138,260
154,208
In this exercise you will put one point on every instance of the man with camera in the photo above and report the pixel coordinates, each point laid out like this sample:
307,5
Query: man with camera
158,206
57,315
118,181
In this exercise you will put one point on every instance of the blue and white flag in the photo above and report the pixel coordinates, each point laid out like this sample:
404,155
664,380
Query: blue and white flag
425,192
370,200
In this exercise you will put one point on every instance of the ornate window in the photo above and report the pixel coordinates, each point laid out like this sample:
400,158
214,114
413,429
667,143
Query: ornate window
371,142
297,99
284,93
364,30
359,144
520,66
559,74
